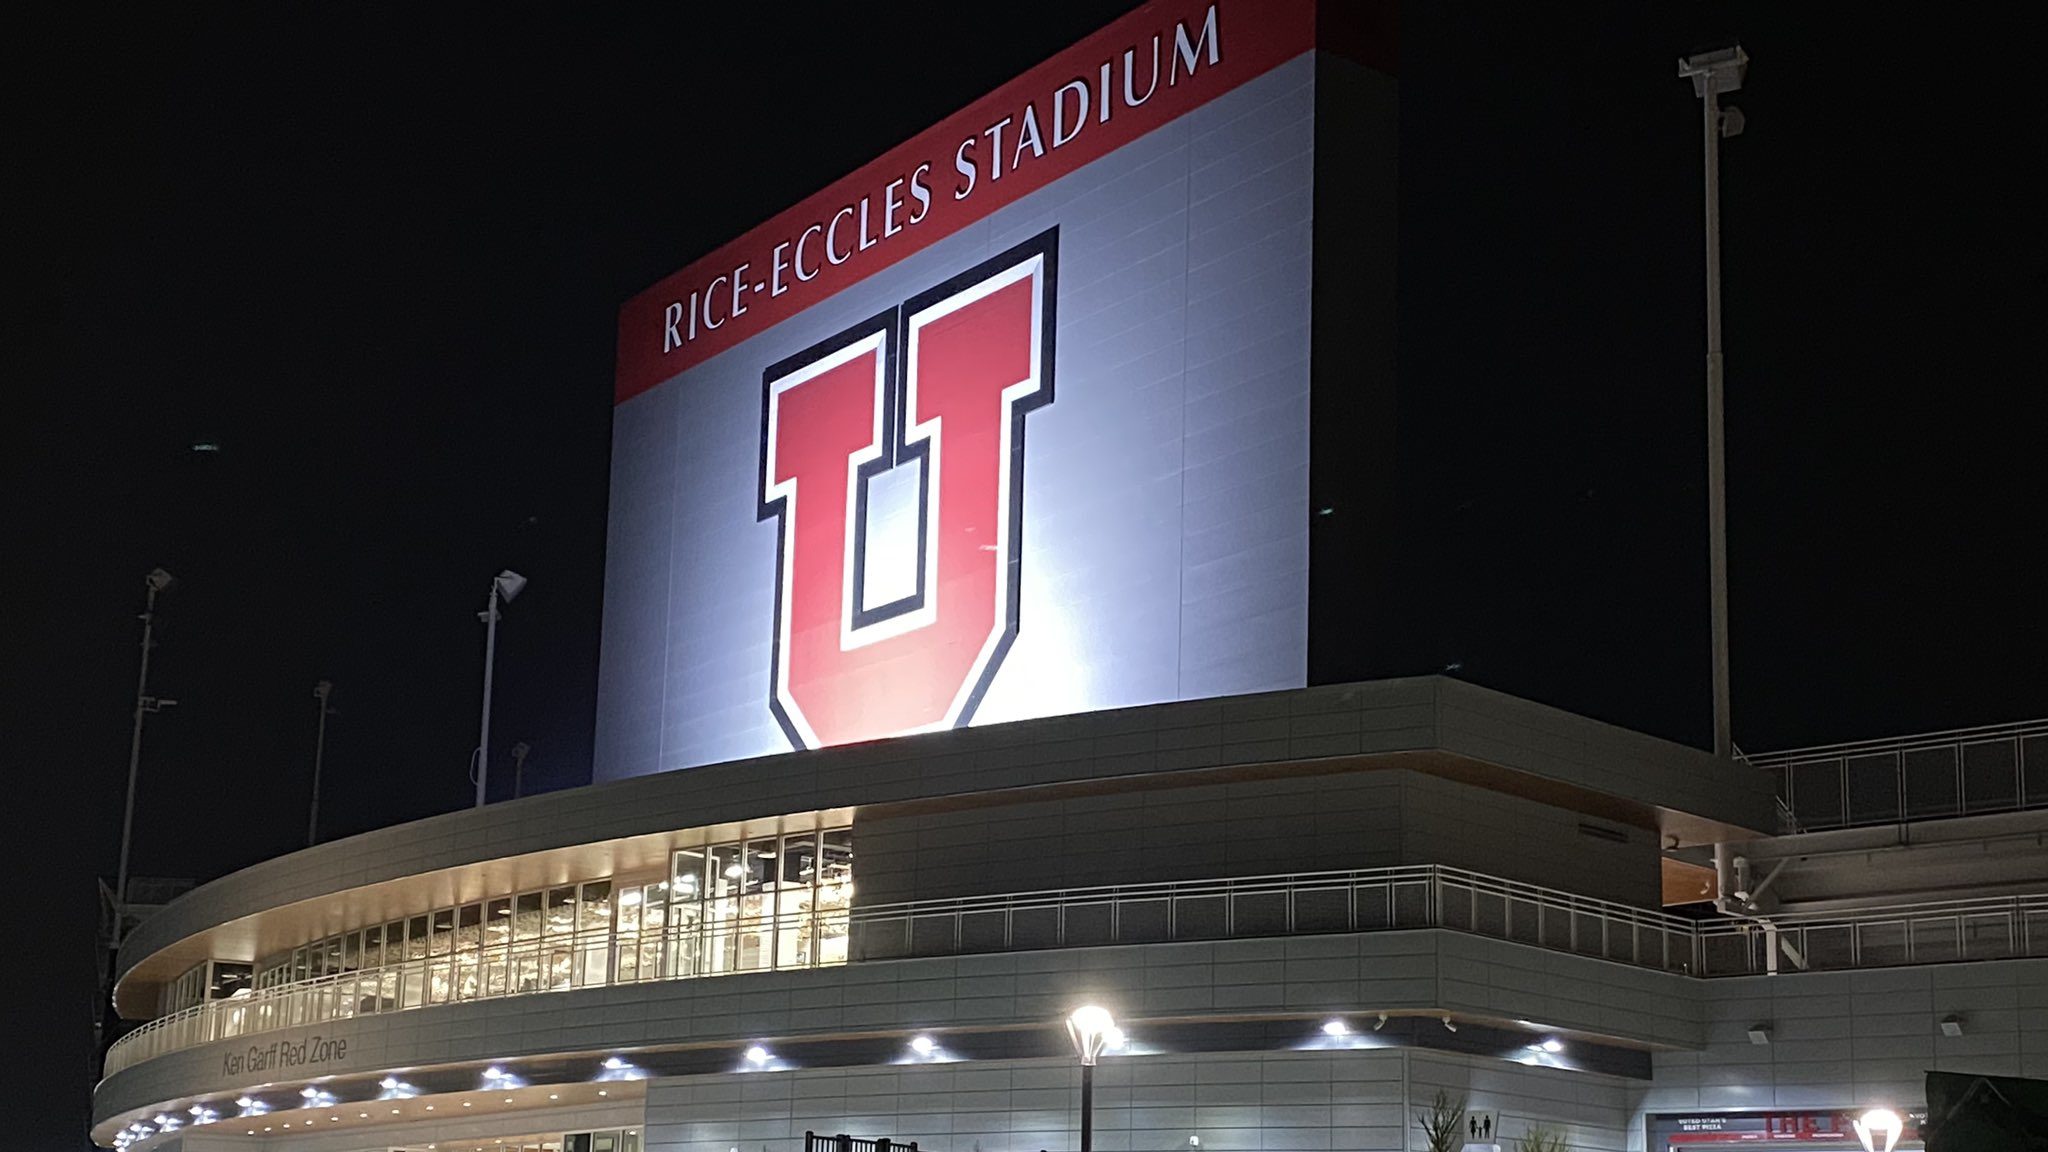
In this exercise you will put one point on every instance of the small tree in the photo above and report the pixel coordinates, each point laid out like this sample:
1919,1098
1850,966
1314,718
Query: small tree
1541,1138
1443,1125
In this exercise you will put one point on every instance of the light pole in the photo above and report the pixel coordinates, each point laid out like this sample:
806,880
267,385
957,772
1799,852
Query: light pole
1713,73
320,692
505,586
520,751
1092,1029
157,581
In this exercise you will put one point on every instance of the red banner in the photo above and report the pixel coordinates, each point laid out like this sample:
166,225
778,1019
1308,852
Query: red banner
1144,71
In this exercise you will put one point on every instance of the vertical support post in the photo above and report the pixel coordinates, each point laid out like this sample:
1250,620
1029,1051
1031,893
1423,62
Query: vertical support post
1717,511
320,693
1087,1108
483,743
1712,74
134,765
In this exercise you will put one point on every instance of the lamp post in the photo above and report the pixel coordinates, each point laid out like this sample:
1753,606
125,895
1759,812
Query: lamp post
1714,73
520,751
505,586
1879,1129
157,581
320,692
1091,1028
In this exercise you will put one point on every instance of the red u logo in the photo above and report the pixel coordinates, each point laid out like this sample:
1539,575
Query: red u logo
941,383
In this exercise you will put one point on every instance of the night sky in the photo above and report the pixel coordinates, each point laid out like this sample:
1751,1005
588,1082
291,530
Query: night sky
377,265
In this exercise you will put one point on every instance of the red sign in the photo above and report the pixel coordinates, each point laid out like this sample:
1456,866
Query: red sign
941,383
1144,71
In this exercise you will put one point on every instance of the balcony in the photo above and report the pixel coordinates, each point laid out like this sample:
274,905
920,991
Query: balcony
1936,775
1367,900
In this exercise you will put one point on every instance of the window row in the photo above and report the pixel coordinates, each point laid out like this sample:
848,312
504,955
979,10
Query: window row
766,902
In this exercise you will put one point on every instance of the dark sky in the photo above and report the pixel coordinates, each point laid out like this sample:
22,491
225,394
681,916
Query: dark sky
377,263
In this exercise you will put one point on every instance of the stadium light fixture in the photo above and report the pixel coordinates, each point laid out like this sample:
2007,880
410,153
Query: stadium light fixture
505,586
1714,74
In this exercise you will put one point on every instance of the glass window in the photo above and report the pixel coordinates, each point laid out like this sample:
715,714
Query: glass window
468,940
594,923
561,910
229,979
527,920
629,909
373,946
497,922
416,938
757,905
444,932
722,908
351,951
795,924
596,912
687,875
835,894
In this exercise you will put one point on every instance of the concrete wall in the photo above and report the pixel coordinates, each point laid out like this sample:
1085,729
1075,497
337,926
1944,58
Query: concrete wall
1248,828
1855,1039
1291,1100
411,1134
1420,971
1421,714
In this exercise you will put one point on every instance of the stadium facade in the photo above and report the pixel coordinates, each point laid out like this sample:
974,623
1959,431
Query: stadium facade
984,532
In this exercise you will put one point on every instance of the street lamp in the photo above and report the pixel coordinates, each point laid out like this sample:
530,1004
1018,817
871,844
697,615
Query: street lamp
1879,1129
520,751
1712,74
505,586
1092,1029
157,581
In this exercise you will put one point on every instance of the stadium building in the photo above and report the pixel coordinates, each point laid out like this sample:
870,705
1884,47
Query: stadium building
991,537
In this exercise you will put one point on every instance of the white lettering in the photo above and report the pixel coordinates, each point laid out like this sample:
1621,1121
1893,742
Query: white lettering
693,314
1184,52
920,192
831,249
799,262
1103,99
1059,110
711,293
965,167
669,339
1131,98
775,269
890,203
866,241
1027,136
739,287
994,132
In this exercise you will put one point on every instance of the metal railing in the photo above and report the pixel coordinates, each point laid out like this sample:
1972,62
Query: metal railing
1365,900
819,1142
1929,933
1962,772
1376,899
